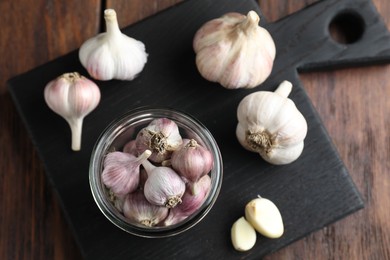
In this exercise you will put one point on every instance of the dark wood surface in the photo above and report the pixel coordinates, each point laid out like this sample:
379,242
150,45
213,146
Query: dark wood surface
352,103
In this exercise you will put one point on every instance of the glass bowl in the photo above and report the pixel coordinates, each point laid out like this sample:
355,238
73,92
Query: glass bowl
124,129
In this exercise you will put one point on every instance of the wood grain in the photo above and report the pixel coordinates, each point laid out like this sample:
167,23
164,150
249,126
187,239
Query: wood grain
31,224
353,104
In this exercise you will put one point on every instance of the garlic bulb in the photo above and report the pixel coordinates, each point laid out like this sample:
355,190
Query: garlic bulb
163,187
192,161
270,124
72,96
121,171
190,203
137,209
234,51
161,136
112,55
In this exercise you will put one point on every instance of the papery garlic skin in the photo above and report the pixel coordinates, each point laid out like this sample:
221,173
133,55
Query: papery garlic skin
161,136
270,124
139,210
121,171
163,187
113,55
234,51
72,96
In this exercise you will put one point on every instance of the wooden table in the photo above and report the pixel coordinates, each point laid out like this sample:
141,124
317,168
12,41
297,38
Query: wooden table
353,103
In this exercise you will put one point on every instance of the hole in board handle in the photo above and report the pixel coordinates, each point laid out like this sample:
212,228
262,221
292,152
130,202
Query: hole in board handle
346,27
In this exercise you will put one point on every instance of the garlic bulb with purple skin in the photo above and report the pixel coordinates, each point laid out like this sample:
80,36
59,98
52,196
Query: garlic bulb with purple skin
139,210
190,203
121,171
161,136
192,161
234,51
112,54
163,187
72,96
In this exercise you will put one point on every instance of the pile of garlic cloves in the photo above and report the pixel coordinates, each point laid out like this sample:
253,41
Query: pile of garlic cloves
159,178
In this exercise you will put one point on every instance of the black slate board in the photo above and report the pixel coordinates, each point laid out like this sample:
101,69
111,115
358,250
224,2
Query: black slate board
312,192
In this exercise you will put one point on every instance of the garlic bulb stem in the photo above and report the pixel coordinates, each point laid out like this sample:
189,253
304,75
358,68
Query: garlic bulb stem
112,26
252,20
76,126
149,167
284,89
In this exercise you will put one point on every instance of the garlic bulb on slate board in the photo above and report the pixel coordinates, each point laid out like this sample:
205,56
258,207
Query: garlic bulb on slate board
112,54
72,96
270,124
234,51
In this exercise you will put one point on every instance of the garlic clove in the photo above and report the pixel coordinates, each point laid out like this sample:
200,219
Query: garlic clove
161,136
113,55
192,161
121,171
243,235
73,97
234,51
190,203
270,124
138,210
163,187
265,217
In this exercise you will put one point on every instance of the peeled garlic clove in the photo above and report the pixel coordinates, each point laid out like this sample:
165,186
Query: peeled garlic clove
72,96
192,161
243,235
161,136
270,124
121,171
265,217
138,210
113,55
163,187
190,203
234,51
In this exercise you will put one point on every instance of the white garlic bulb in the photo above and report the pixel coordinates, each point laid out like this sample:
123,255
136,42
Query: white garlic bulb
270,124
73,97
234,51
113,55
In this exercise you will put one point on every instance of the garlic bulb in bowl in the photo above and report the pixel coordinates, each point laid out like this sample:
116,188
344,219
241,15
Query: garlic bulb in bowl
112,54
270,124
234,51
163,189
